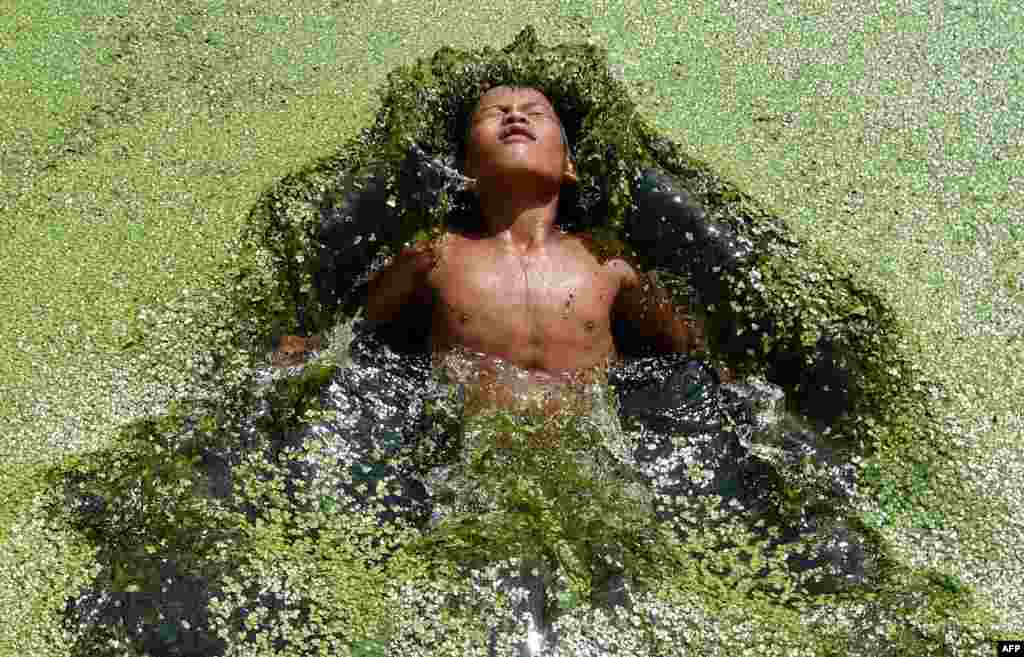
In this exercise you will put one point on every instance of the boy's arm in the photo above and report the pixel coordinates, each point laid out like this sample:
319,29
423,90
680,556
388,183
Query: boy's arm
402,282
651,313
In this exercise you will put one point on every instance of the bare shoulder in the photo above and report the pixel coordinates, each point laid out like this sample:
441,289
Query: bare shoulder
620,269
447,249
624,272
405,279
419,249
413,262
424,256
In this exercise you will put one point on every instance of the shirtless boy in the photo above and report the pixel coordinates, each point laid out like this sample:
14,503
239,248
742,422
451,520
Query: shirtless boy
521,310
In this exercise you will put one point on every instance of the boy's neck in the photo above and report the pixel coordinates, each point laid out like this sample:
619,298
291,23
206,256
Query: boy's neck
523,226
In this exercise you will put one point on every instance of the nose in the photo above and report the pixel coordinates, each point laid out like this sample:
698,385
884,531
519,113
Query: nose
515,116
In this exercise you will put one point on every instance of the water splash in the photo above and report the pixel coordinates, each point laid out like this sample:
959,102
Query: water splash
440,174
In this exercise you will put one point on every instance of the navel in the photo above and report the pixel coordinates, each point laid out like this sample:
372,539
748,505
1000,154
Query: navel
590,325
464,318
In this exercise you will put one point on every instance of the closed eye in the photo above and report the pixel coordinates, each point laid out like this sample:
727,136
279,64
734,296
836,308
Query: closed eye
495,110
498,112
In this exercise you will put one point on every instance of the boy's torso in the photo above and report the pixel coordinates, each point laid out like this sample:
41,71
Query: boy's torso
521,325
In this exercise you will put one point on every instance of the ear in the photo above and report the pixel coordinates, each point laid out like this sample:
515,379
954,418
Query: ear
569,172
467,171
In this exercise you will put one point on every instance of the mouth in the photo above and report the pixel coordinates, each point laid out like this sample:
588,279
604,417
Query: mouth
517,133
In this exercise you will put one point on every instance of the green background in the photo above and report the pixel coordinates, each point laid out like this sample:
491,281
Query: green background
134,137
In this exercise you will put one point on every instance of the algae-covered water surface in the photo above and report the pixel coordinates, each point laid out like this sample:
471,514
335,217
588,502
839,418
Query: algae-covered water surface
347,505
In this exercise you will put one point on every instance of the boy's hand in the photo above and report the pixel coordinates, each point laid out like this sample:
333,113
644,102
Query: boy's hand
293,350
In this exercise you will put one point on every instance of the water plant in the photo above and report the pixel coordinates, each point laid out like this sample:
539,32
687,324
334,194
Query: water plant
289,539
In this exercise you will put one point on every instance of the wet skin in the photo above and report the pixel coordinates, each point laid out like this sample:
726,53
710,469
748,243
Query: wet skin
517,325
520,311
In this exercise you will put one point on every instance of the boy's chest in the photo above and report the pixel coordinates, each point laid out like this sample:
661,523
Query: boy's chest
561,292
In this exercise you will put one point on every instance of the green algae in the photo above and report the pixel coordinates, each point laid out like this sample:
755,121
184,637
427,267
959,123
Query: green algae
514,493
806,321
809,299
350,573
810,310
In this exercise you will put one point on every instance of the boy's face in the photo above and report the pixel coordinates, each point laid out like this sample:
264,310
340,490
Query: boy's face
515,131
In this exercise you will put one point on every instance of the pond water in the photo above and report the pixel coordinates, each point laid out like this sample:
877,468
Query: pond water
361,503
682,460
